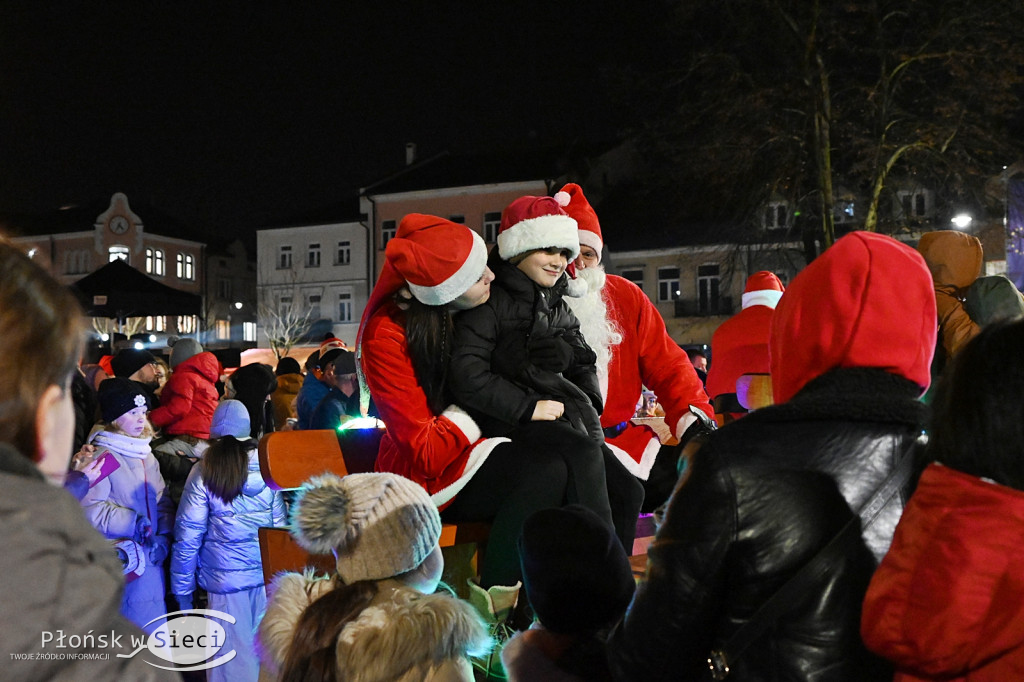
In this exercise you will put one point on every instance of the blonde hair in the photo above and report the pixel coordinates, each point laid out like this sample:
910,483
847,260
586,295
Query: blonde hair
41,335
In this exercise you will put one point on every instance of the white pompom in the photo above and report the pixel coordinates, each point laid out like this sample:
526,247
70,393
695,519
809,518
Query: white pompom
563,198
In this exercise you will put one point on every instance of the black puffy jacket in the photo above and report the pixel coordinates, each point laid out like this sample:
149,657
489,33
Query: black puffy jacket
765,494
491,375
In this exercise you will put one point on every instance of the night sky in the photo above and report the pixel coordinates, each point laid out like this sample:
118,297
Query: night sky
237,115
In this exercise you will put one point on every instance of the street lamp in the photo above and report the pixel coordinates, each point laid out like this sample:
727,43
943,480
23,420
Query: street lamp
962,221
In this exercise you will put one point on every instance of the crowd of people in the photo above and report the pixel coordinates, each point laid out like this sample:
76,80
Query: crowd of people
838,524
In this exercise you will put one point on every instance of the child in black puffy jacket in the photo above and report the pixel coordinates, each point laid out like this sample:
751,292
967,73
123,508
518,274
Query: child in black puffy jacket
520,357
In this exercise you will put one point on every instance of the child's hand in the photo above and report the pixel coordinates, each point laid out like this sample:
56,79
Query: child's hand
158,552
143,530
547,411
83,457
92,470
552,354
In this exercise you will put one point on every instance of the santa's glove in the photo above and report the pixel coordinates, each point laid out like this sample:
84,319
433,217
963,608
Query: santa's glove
551,354
143,530
702,427
158,550
184,601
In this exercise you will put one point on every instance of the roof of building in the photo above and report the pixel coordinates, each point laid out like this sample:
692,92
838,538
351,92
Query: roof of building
82,218
631,221
445,169
343,211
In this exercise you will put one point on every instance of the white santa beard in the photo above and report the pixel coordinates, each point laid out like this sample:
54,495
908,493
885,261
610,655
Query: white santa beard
598,331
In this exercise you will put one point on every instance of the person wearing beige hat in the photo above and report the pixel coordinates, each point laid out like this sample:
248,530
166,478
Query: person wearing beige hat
377,618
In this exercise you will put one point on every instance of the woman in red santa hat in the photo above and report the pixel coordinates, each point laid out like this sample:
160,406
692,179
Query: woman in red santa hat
433,269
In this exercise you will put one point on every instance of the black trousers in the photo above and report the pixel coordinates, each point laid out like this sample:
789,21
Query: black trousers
547,464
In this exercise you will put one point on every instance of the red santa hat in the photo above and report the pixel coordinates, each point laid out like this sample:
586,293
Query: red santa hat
330,343
763,288
530,223
579,209
437,259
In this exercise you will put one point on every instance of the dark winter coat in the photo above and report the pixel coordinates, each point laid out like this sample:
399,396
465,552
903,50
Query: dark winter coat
766,493
59,575
491,375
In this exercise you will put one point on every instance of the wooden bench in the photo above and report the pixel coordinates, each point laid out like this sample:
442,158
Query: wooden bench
290,458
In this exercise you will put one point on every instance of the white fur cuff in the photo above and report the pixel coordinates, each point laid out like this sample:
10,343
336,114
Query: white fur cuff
463,421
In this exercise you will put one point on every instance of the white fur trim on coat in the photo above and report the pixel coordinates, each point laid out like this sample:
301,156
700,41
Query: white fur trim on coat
641,469
461,419
684,423
542,232
477,456
460,282
768,297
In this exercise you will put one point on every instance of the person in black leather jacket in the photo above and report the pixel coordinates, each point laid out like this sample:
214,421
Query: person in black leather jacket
851,345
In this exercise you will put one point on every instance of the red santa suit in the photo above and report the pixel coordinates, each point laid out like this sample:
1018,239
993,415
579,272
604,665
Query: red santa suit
647,356
740,344
441,452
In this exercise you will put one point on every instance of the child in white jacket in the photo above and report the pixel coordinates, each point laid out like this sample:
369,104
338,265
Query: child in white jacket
224,503
130,503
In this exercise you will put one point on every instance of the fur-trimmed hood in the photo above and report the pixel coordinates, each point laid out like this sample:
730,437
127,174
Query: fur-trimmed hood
402,635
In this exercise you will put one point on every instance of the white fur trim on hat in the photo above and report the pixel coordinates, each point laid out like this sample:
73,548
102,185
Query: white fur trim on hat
588,238
460,282
542,232
768,297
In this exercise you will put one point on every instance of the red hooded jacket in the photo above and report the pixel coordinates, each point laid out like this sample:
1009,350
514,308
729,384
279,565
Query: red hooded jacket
947,602
189,398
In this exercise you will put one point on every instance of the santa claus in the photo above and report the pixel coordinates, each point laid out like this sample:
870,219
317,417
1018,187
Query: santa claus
634,351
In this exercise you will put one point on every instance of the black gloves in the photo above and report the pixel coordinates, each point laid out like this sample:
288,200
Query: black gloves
551,354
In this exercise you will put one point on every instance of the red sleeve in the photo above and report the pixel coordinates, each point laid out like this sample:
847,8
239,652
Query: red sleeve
175,401
426,444
664,367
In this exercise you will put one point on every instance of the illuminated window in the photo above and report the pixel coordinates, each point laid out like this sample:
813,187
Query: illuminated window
186,266
187,324
223,329
118,253
156,324
155,262
249,331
